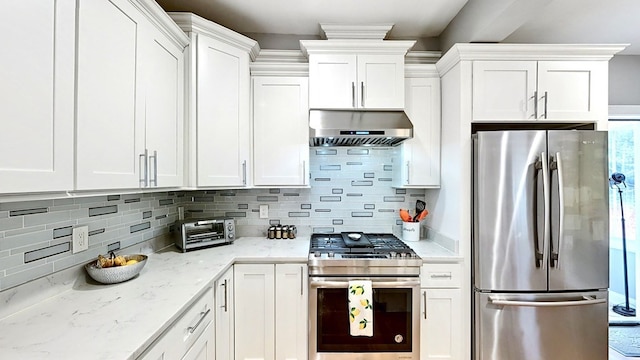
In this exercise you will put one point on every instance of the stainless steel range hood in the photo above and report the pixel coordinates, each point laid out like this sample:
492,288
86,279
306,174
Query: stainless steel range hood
358,127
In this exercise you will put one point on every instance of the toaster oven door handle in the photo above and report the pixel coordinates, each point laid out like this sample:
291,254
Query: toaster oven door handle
318,283
205,222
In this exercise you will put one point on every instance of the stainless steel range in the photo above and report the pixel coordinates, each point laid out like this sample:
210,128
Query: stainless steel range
393,269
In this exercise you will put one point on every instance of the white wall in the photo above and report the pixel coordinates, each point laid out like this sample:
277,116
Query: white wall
624,80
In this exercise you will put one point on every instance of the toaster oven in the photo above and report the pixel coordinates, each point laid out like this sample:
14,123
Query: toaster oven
201,233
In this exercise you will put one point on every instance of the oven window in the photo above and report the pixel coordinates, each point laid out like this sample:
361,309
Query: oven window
391,317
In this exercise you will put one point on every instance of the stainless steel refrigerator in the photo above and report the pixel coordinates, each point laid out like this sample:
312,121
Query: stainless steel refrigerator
540,245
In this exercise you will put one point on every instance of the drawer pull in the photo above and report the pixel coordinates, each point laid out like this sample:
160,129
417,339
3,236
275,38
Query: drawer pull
191,329
441,276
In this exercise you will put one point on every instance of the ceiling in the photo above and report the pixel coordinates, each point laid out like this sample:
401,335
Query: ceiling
520,21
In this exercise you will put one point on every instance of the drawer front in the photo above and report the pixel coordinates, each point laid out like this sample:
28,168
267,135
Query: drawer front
179,337
440,276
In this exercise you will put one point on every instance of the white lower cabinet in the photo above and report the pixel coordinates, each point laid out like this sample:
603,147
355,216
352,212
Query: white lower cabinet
270,311
190,337
441,334
224,307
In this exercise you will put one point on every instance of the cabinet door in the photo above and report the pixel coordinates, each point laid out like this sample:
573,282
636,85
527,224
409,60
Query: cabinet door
572,90
380,82
504,90
441,328
420,156
292,330
109,110
36,95
223,133
332,81
281,130
254,297
224,305
163,109
204,347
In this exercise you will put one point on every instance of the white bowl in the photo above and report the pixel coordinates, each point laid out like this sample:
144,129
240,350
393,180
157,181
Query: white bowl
116,274
355,236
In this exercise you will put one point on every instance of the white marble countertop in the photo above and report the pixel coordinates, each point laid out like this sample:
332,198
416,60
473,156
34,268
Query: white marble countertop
95,321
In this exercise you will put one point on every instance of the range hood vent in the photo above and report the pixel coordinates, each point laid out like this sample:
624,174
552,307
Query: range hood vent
358,127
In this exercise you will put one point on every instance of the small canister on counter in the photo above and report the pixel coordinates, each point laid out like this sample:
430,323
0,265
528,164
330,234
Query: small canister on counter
285,231
271,233
292,232
278,232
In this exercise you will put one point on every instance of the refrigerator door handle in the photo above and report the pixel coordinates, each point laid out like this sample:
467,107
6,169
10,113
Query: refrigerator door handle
545,197
586,300
555,255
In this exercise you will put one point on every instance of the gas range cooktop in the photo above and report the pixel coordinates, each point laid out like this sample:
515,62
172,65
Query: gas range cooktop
355,253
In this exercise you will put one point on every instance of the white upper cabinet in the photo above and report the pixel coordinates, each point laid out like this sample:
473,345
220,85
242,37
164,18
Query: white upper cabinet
163,65
109,114
129,103
218,91
281,131
36,95
356,74
347,81
417,160
539,90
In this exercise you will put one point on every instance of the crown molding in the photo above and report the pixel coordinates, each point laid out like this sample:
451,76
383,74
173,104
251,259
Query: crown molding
351,31
161,20
280,63
420,71
351,46
190,22
422,57
535,52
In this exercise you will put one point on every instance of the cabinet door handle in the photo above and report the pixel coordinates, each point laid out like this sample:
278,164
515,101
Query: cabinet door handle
408,169
535,105
154,180
225,295
353,94
304,172
244,173
191,329
424,297
440,276
546,100
362,93
143,175
301,280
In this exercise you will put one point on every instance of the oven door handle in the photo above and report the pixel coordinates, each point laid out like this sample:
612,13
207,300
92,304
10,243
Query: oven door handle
317,283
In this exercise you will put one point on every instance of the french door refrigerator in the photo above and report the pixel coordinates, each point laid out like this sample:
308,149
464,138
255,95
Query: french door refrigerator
540,245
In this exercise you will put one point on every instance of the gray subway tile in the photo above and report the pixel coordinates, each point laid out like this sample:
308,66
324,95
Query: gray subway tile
361,214
401,191
267,198
274,191
325,152
139,227
322,210
132,200
357,151
12,261
113,197
337,221
236,214
361,183
147,214
291,194
103,210
96,232
322,179
50,217
330,198
305,206
299,214
46,252
243,206
330,167
393,199
323,229
354,194
274,222
31,211
385,179
369,175
62,232
164,202
369,206
11,223
387,167
22,205
27,239
352,163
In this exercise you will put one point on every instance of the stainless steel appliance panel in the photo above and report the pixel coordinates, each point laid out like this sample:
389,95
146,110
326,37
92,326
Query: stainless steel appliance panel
509,210
579,248
542,326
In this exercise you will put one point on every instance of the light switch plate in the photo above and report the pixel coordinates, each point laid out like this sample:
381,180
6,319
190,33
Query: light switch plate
80,236
264,211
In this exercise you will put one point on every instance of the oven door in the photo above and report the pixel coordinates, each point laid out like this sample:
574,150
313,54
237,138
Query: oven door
396,323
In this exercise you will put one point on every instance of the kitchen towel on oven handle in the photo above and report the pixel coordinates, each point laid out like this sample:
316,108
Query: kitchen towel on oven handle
360,308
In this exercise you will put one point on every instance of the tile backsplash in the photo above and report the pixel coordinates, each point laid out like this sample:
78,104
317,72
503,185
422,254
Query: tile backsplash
350,191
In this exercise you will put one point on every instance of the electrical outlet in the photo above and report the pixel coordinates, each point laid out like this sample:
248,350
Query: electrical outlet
80,236
264,211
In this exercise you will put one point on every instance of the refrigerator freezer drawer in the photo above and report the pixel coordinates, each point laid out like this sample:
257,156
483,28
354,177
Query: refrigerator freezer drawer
541,326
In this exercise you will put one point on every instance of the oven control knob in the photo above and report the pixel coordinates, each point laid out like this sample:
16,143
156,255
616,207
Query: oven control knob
316,254
398,338
230,236
331,254
403,255
393,254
